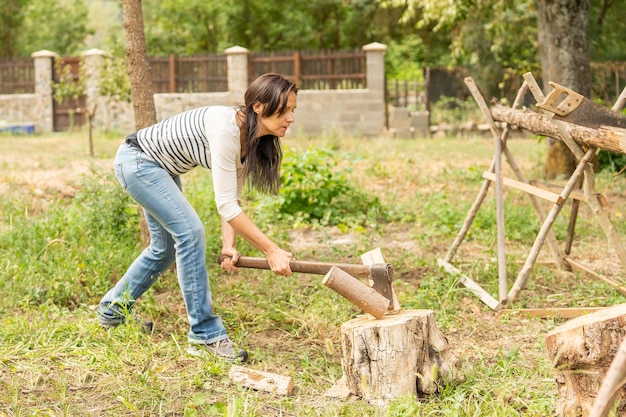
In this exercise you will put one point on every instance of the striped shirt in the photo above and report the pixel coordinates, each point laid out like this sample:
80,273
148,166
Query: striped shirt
205,136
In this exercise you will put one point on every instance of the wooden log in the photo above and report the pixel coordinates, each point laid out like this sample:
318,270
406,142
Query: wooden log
401,354
581,351
364,297
261,381
606,137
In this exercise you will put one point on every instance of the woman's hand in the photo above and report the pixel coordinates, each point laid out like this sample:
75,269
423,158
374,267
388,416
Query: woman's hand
231,258
279,262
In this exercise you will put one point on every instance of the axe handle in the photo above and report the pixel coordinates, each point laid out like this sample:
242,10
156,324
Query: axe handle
309,267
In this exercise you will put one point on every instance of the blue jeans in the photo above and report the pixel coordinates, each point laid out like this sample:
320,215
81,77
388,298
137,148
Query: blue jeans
176,234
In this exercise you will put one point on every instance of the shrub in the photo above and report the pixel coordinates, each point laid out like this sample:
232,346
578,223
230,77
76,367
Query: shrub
315,190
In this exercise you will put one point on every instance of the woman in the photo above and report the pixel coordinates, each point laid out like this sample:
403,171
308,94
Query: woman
236,144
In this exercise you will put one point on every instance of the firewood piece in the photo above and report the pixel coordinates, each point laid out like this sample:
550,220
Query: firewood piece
545,313
364,297
581,351
261,381
401,354
605,137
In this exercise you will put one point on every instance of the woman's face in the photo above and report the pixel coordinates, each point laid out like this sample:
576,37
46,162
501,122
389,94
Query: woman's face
276,124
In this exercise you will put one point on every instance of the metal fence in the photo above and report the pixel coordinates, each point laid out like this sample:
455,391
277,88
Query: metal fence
199,74
17,76
314,70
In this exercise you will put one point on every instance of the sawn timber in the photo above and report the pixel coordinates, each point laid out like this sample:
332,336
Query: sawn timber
609,138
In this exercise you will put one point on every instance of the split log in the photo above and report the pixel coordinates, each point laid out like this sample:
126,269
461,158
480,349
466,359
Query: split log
582,351
609,138
261,381
401,354
364,297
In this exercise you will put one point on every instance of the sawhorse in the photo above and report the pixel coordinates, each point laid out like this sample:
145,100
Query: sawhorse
582,175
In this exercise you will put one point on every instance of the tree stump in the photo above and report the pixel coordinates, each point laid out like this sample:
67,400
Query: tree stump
581,351
400,354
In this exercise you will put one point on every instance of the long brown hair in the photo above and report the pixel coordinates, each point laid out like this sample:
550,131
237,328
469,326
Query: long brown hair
264,154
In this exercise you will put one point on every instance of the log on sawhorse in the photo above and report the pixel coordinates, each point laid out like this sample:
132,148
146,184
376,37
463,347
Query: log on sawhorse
573,136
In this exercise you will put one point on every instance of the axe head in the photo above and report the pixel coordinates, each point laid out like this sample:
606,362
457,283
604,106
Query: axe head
381,277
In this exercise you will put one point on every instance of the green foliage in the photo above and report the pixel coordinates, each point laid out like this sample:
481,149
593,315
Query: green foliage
11,18
611,161
59,26
114,81
316,189
452,110
67,87
65,257
192,28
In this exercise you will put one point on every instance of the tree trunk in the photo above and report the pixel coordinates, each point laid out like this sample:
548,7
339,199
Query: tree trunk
582,351
562,28
140,78
401,354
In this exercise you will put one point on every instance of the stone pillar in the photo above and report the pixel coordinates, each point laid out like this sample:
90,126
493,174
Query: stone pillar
375,68
237,61
44,63
375,76
93,63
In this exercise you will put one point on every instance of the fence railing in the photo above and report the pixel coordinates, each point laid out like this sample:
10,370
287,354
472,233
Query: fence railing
314,70
199,74
17,76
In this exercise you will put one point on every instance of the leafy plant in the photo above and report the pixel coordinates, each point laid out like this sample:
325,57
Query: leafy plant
316,189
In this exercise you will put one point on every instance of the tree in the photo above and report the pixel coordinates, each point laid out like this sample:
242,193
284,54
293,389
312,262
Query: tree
494,37
195,27
59,26
139,76
11,17
563,28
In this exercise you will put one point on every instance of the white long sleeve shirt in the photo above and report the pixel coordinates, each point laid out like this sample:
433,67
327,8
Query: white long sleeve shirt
205,136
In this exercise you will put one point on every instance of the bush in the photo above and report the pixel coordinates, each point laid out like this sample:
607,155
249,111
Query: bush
315,190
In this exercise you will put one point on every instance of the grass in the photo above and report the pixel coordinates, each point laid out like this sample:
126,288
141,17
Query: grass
67,232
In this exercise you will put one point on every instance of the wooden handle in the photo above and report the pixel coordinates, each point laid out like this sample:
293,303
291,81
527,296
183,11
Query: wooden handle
308,267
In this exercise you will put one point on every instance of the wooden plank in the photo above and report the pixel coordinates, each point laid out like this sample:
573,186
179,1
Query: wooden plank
545,313
261,381
577,193
528,188
621,288
483,295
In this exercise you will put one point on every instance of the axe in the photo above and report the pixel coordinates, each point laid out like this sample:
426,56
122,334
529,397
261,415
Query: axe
380,274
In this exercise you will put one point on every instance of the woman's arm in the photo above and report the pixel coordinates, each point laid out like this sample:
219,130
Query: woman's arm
229,237
277,258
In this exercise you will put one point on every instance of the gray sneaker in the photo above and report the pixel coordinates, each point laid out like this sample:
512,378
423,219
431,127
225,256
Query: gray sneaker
224,349
107,321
